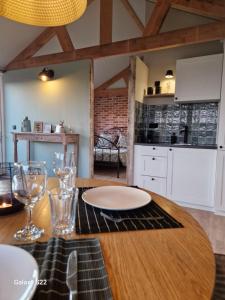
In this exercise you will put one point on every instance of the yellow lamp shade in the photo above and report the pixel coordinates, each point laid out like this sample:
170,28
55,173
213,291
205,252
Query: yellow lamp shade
43,12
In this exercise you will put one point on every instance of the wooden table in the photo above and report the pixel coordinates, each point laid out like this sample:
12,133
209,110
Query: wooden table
61,138
148,264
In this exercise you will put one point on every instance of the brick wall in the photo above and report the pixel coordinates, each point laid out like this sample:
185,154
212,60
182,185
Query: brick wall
110,112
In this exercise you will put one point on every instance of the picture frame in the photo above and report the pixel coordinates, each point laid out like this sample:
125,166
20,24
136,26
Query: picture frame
47,128
38,126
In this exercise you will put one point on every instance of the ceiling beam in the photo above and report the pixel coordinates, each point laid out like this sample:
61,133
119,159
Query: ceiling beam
64,38
133,15
36,45
106,15
157,17
176,38
112,92
206,8
121,75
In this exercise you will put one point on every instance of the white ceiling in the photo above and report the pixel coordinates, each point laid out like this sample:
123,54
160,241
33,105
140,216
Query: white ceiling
15,37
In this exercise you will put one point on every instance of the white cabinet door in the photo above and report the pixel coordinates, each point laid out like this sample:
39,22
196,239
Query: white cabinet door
199,78
154,166
220,182
191,176
154,184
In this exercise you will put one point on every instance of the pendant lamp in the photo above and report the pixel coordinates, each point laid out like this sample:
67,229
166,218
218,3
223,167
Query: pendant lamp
43,12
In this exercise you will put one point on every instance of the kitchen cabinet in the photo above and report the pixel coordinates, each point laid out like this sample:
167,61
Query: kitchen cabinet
150,168
191,176
199,78
184,175
220,167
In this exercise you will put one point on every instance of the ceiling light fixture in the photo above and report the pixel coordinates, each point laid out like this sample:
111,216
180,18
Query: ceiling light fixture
43,12
169,74
46,75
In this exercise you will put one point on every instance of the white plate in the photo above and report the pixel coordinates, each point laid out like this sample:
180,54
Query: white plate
116,197
18,273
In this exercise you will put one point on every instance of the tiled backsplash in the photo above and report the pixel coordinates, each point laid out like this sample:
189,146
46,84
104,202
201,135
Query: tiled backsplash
201,119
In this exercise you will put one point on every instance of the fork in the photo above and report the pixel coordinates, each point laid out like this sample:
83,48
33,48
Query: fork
118,220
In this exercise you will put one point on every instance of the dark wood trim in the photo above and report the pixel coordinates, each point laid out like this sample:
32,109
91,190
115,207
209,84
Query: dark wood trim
181,37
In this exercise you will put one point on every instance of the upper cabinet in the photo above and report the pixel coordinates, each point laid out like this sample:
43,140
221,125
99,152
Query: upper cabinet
199,78
141,80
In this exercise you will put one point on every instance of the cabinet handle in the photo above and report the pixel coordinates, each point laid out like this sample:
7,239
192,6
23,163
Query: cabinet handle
153,178
170,149
153,158
176,98
153,148
221,147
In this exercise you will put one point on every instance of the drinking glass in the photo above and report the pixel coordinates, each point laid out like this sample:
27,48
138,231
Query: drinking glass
28,185
65,169
63,210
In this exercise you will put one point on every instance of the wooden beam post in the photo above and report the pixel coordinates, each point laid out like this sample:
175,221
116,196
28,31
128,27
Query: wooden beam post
157,17
64,38
36,45
176,38
106,7
133,15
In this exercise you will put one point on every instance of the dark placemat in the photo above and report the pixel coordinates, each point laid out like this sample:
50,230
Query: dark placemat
52,259
89,220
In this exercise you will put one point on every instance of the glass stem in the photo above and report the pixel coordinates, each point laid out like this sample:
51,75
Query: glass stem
29,216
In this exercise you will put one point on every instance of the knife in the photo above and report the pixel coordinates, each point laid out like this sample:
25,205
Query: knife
71,275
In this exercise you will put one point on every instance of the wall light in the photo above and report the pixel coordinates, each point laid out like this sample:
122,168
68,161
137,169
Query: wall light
46,75
169,74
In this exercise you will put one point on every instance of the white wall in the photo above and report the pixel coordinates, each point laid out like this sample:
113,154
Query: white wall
65,98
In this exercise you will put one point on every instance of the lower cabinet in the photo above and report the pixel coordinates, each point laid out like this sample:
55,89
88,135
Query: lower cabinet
220,182
184,175
154,184
191,176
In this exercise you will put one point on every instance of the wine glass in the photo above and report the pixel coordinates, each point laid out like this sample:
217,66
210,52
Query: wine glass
65,169
28,185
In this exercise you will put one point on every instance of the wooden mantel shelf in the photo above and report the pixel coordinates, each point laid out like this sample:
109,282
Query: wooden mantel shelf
60,138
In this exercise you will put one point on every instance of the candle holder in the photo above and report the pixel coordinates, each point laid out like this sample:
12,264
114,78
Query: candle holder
8,203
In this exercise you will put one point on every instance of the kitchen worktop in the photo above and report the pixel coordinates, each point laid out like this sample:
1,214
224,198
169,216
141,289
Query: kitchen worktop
179,145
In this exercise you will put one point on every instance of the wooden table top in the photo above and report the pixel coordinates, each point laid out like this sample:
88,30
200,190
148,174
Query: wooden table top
146,264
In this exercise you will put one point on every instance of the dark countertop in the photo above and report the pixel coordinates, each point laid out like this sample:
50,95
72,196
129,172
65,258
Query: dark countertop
179,145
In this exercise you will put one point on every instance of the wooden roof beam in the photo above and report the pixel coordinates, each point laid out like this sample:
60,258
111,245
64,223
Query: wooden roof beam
34,46
212,9
133,15
157,17
106,15
64,38
176,38
122,74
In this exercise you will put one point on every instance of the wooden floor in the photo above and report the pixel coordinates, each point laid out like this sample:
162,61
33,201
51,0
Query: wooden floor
213,225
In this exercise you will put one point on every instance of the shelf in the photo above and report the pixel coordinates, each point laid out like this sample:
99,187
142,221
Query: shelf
159,96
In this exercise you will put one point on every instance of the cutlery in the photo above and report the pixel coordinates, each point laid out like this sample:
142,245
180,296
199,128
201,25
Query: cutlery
71,275
118,220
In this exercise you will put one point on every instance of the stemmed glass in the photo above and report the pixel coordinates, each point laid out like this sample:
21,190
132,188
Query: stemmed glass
28,185
65,169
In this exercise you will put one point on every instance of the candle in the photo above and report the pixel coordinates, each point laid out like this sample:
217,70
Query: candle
5,205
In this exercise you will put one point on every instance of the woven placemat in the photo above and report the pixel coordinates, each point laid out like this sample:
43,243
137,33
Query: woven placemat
52,259
89,219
